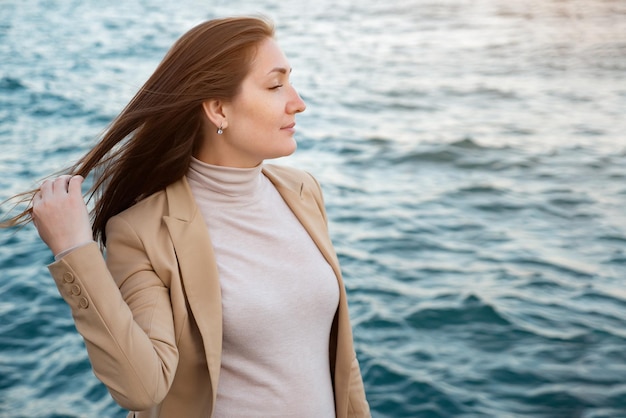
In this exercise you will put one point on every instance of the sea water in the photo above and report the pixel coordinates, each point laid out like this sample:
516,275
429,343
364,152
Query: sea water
472,154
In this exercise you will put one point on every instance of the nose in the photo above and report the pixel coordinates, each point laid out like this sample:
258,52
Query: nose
296,104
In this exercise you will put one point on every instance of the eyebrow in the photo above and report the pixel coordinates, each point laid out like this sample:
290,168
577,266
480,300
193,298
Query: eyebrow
281,70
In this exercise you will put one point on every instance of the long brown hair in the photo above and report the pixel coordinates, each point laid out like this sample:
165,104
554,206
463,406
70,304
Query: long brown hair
150,144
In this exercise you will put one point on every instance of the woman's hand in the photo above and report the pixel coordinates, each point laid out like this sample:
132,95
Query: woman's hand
60,214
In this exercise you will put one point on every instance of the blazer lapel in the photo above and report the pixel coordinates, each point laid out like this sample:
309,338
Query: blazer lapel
198,270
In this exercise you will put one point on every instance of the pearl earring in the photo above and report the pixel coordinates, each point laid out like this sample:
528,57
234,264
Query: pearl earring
220,130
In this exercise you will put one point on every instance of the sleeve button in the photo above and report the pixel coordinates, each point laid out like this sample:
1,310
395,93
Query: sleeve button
68,277
75,290
83,303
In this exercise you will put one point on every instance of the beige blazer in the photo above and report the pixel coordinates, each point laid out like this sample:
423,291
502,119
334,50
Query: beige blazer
151,315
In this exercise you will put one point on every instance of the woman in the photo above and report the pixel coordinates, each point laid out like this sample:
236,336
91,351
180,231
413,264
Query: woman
221,294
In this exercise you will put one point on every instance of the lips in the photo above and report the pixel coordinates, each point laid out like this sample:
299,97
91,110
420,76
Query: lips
290,126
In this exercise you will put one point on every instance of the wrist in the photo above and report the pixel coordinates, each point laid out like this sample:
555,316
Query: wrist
67,250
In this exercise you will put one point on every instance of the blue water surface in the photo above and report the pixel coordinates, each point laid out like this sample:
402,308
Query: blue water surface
473,159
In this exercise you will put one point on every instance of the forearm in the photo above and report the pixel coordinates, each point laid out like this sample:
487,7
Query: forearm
136,364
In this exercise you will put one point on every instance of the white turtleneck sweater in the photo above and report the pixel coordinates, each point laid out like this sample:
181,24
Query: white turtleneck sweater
279,298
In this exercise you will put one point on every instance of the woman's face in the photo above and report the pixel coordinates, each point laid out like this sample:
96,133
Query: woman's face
260,119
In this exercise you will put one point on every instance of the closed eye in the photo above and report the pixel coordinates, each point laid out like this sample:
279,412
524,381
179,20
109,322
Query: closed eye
276,87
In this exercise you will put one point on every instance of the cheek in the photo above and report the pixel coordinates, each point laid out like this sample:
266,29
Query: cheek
259,113
254,109
265,116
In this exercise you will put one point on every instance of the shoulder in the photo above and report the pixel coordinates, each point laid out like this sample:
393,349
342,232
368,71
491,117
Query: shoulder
287,172
145,215
291,175
153,205
298,181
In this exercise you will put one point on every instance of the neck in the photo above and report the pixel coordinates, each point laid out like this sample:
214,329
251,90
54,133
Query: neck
224,181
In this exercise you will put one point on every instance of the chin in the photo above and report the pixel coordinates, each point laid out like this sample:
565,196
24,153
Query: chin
287,150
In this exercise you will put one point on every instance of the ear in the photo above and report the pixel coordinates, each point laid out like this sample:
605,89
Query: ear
214,111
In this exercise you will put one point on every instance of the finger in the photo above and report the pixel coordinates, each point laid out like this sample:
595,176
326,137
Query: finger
45,189
60,184
74,185
35,203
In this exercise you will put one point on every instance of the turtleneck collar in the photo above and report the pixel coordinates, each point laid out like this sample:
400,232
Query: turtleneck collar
226,181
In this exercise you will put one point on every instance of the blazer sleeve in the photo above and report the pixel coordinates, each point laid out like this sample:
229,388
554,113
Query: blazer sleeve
358,407
128,331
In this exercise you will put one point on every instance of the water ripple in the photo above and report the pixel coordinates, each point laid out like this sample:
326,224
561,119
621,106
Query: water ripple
472,157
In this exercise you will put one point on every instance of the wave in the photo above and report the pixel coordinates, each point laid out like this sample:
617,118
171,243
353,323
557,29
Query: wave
406,395
9,84
472,311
